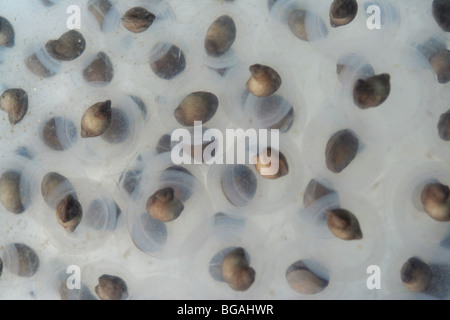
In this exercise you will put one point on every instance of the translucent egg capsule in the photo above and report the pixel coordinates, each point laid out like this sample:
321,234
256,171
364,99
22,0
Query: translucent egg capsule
164,144
444,126
371,92
440,62
293,23
353,65
134,28
298,25
41,66
164,206
343,224
382,98
69,213
16,191
69,46
239,185
85,222
137,19
314,191
220,36
197,106
270,170
336,147
96,120
236,271
300,276
441,13
111,288
167,61
264,81
342,12
302,280
416,274
101,10
108,280
435,199
15,103
131,177
261,96
20,259
275,112
434,49
421,270
435,128
341,150
76,213
57,133
348,225
420,187
99,69
52,185
10,191
221,260
166,199
104,124
199,103
7,35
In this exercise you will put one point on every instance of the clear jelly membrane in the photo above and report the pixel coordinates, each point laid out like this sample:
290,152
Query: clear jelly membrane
276,171
405,206
235,30
92,273
97,211
116,144
287,107
240,187
17,192
436,258
135,46
159,238
398,115
209,243
39,59
362,171
146,68
293,254
204,83
329,248
432,133
23,260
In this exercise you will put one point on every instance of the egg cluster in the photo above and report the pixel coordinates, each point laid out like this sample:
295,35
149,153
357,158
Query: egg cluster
94,206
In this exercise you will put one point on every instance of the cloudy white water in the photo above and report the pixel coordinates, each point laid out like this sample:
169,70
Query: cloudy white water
400,150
